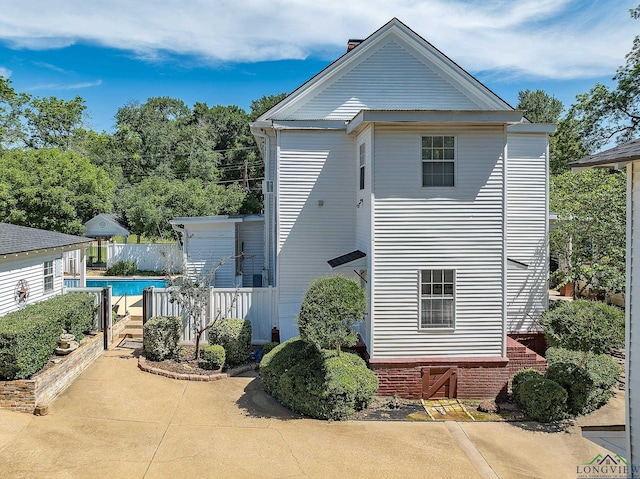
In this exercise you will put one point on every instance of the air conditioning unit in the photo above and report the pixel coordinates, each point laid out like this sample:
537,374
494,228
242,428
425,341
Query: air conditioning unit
267,186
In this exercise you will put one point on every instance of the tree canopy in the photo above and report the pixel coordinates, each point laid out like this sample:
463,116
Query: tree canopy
589,239
605,113
52,189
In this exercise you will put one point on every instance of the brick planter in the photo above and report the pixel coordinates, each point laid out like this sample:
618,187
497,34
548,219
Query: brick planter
24,395
147,366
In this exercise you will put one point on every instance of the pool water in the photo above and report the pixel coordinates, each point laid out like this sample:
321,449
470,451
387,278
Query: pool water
119,287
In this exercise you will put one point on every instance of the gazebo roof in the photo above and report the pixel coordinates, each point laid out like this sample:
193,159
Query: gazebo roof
105,225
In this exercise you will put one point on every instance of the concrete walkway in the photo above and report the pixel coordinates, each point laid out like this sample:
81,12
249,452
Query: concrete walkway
118,422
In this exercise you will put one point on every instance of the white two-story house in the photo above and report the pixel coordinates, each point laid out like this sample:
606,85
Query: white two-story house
395,166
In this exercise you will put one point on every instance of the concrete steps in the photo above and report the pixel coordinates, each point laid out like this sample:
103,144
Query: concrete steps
133,329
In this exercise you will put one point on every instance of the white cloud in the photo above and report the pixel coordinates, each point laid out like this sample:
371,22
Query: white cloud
548,38
64,86
5,72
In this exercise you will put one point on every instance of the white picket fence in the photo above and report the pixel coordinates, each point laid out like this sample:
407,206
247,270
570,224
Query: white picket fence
148,257
258,305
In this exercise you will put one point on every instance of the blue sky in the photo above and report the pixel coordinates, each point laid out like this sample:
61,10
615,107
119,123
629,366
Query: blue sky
229,52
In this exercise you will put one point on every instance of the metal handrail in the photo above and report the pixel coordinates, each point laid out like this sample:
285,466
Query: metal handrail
114,307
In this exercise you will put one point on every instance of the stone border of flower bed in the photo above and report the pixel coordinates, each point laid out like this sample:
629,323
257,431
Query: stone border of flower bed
145,366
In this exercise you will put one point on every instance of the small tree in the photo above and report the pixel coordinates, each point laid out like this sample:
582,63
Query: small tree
330,310
192,293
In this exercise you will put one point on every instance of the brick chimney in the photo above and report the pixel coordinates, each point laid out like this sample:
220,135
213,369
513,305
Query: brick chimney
352,43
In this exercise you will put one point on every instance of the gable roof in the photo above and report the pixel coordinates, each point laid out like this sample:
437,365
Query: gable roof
16,239
394,68
620,154
105,225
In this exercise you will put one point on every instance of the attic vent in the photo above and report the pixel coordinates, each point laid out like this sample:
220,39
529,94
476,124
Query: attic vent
352,43
267,187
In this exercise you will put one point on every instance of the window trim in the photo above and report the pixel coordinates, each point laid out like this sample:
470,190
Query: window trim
48,271
437,328
362,161
454,161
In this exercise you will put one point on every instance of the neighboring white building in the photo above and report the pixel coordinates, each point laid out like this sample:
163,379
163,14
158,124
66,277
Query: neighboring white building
31,264
395,165
628,156
228,249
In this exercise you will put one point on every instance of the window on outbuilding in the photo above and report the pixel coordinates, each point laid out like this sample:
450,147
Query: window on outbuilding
438,160
362,162
437,298
48,276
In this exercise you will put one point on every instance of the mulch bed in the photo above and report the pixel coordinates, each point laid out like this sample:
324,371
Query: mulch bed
185,367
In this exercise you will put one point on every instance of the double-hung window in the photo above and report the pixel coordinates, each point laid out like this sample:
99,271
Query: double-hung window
438,160
362,162
48,276
437,298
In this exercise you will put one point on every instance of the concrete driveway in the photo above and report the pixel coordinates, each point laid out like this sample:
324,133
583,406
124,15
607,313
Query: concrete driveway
118,422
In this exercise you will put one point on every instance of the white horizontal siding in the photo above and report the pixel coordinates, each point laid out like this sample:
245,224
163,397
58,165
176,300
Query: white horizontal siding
633,312
457,228
206,247
313,166
393,76
31,269
527,291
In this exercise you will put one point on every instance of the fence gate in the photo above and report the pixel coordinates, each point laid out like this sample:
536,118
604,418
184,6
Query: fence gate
439,382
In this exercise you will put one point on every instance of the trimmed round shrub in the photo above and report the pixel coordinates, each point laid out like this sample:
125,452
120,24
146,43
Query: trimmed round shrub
317,383
519,379
329,312
266,349
234,335
543,399
160,336
585,326
213,356
588,378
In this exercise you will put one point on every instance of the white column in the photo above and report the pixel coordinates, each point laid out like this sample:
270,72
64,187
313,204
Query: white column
83,268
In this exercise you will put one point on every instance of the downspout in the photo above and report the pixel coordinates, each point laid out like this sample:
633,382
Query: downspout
267,200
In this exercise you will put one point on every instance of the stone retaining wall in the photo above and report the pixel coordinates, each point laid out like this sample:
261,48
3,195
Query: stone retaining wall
24,395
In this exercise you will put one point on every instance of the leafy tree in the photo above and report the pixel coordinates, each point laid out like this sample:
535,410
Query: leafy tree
52,189
264,104
11,105
613,113
330,310
539,107
589,240
51,122
148,206
566,144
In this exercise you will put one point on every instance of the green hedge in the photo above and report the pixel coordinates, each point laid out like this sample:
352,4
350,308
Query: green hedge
543,399
584,326
160,336
519,379
267,348
29,336
213,356
234,335
587,377
122,268
317,383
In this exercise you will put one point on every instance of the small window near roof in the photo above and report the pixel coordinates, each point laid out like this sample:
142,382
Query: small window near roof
437,298
438,161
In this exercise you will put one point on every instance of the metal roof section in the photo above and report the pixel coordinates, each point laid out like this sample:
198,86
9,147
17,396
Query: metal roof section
353,260
618,155
16,239
195,220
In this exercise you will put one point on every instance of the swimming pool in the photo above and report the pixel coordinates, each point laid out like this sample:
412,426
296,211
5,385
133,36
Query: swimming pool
120,286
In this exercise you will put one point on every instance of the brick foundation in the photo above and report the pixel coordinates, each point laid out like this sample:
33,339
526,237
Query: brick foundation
24,395
477,377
